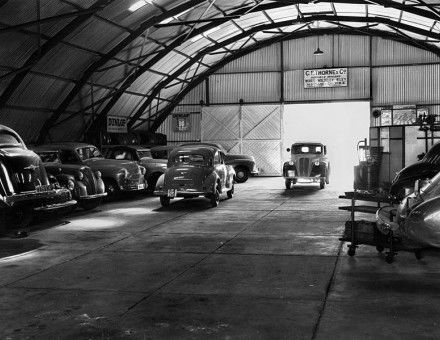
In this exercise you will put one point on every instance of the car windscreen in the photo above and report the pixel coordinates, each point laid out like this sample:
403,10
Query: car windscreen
307,148
88,153
144,153
189,159
433,155
8,139
49,157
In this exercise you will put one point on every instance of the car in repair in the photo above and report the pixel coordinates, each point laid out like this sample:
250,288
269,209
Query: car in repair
85,185
244,165
426,168
196,171
154,168
308,164
25,187
118,175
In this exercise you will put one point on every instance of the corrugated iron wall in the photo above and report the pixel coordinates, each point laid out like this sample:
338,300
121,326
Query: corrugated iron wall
396,73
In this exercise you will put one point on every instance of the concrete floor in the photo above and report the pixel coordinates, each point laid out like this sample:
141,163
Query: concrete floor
266,264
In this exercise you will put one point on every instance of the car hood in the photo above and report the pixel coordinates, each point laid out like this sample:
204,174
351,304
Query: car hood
407,176
58,168
18,160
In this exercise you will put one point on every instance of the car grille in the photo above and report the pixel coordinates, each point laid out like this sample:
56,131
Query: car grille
304,167
89,180
25,180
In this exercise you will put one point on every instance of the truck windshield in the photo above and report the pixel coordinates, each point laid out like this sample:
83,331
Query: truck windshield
306,148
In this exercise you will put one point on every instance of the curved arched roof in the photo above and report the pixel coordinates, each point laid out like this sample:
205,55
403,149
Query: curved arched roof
99,57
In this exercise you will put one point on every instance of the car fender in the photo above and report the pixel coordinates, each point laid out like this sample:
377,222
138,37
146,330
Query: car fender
160,182
210,181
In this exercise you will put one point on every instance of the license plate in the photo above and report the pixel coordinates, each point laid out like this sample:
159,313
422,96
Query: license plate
141,186
172,193
43,188
291,173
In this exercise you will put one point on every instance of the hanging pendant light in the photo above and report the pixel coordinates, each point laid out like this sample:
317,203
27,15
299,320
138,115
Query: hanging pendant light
318,50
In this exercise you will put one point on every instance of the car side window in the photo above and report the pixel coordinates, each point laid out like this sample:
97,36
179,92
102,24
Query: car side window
217,159
68,156
222,157
121,154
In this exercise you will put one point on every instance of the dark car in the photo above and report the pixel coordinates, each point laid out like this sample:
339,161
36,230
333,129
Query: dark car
427,168
308,164
86,185
118,175
196,171
154,168
244,166
24,183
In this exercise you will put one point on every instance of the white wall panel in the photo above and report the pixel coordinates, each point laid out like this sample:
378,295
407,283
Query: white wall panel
251,87
358,87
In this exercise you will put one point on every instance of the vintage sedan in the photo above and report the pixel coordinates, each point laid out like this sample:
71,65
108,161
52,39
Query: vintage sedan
427,168
196,171
86,186
154,168
118,175
308,164
24,185
244,165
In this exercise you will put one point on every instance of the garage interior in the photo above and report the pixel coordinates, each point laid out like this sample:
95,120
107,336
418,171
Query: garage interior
270,262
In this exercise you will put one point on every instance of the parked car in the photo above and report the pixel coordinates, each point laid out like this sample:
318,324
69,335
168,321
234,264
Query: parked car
308,164
143,156
118,175
85,185
162,151
24,184
196,171
244,166
427,168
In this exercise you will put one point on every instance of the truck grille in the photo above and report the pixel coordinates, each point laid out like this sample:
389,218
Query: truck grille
304,167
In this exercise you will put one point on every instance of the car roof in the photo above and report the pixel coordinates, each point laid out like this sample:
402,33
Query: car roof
204,150
135,147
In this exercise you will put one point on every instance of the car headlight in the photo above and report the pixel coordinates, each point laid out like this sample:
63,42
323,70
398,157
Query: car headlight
98,174
70,185
124,173
143,170
79,175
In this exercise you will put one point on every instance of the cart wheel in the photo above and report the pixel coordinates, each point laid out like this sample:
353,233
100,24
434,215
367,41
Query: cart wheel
351,250
380,248
418,254
389,258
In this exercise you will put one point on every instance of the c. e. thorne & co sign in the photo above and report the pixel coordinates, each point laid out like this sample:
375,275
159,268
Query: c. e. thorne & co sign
116,124
325,77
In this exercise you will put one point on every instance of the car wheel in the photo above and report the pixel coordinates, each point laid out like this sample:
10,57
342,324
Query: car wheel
111,189
288,184
165,201
322,183
91,204
241,174
215,198
231,192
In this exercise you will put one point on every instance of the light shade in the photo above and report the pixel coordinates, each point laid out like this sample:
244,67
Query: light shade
318,52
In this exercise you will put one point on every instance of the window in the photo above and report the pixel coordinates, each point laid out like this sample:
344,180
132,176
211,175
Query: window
192,159
88,152
144,154
68,156
217,158
122,154
49,157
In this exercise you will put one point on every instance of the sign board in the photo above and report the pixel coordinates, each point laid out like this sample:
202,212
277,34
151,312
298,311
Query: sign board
117,124
182,122
325,77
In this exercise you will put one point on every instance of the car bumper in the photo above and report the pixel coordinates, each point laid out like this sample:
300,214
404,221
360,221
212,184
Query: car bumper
305,179
56,206
42,201
92,197
181,193
133,187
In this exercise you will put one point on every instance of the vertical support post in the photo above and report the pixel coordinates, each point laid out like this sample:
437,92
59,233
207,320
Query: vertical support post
281,72
240,126
207,99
